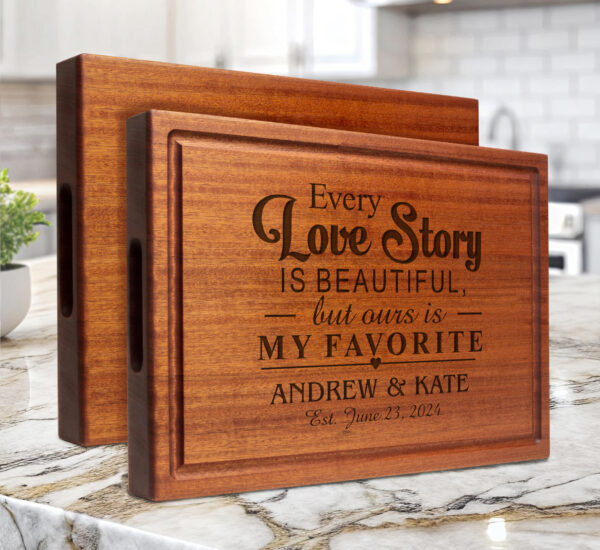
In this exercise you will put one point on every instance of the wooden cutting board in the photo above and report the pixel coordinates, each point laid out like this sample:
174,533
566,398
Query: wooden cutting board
95,95
312,305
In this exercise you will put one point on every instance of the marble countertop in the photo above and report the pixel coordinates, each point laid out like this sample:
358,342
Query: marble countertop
552,503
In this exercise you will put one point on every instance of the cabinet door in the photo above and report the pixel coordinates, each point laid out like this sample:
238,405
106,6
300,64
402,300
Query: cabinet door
36,34
262,35
340,38
132,28
200,33
28,38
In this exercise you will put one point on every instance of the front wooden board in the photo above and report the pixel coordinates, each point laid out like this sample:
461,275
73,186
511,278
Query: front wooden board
95,95
321,305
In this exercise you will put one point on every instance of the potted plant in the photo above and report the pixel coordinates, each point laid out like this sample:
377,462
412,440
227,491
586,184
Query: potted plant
17,221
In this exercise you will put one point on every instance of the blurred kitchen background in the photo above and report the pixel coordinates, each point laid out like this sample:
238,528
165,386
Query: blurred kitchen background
534,65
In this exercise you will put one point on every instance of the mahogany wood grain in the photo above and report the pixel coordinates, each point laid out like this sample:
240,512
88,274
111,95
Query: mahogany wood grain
245,235
95,95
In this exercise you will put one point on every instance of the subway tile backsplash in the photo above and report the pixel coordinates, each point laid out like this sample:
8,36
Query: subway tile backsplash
543,63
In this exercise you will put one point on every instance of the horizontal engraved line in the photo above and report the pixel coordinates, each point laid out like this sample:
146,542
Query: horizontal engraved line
368,364
469,313
280,315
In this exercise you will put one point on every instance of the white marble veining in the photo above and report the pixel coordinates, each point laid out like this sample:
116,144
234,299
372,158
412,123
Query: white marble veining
552,503
25,524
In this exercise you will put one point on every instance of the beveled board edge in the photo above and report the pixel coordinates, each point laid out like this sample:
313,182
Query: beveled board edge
184,481
71,424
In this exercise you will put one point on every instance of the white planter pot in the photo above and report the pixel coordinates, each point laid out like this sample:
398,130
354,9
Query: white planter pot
15,296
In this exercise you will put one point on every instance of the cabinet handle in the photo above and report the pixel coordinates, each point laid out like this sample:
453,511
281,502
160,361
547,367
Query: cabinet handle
220,60
297,58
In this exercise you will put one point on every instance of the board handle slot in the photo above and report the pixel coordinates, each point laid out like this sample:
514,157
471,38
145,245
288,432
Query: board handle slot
135,306
65,249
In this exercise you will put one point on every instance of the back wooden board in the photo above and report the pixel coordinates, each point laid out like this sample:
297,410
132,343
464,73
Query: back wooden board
312,305
95,95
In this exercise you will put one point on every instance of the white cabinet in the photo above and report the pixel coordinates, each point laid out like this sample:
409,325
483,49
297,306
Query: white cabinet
36,34
199,33
339,38
354,41
263,36
246,35
331,39
127,28
28,38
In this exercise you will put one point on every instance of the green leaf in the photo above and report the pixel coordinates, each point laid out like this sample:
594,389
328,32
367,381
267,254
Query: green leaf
17,219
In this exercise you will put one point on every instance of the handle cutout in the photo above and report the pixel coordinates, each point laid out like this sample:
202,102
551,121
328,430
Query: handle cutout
135,305
65,250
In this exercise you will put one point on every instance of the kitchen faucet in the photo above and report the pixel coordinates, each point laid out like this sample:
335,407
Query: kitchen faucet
510,115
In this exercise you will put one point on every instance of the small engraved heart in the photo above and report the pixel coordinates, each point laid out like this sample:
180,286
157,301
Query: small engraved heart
375,361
